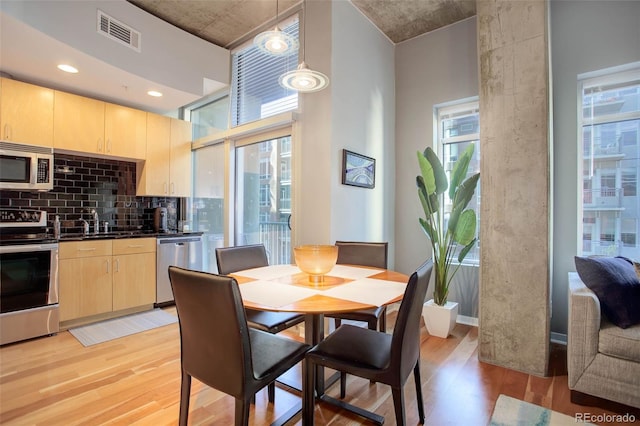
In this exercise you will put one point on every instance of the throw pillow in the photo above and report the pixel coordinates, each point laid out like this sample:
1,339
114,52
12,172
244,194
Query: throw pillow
615,283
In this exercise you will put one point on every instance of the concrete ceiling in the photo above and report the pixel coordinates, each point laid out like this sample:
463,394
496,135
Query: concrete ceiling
223,22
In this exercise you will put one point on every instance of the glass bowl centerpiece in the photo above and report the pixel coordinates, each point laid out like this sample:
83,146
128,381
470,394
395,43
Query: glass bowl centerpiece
316,260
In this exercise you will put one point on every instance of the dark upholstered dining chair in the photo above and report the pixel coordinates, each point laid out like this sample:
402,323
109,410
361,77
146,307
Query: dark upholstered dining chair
362,254
234,259
374,355
234,359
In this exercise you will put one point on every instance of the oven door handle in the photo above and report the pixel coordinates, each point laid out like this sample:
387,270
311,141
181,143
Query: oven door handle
24,248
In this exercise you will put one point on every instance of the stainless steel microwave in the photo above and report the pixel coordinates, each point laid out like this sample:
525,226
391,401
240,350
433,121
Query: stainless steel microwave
25,167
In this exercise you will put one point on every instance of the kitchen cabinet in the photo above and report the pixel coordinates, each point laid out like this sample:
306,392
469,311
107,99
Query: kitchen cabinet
106,276
85,276
167,169
26,113
78,123
134,272
125,131
90,126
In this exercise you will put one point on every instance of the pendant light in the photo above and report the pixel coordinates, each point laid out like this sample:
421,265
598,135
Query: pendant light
303,79
276,42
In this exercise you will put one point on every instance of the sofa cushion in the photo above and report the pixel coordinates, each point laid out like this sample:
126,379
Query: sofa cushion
620,343
615,283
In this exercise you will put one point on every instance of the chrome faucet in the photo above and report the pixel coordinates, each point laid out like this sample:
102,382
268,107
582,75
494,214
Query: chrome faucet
85,227
96,221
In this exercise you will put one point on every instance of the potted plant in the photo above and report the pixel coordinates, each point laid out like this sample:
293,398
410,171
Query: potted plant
457,234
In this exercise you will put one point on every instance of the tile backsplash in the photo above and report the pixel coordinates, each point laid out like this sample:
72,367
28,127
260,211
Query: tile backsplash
82,184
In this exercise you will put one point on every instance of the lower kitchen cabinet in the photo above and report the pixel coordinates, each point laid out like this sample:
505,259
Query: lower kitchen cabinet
134,272
98,277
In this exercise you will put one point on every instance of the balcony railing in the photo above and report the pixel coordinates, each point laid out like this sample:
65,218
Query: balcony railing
601,248
276,238
602,197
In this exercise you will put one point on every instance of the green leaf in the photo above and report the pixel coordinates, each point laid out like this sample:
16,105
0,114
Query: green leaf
465,192
428,229
426,207
465,250
438,171
460,170
465,232
427,173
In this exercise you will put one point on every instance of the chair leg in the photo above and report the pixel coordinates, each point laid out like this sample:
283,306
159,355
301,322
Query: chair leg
383,320
271,390
337,322
242,412
419,400
343,384
185,394
308,392
398,405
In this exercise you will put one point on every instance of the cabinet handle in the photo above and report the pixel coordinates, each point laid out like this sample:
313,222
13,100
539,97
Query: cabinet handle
99,145
108,145
107,262
173,188
87,249
117,265
135,246
165,188
7,131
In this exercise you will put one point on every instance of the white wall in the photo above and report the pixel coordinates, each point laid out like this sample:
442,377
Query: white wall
356,112
585,36
431,69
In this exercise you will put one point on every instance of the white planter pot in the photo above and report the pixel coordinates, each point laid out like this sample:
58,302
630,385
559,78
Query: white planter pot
440,320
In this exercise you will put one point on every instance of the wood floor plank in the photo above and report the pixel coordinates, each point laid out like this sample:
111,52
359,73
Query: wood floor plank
135,380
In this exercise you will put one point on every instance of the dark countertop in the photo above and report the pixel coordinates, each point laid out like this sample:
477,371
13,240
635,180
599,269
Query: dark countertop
125,234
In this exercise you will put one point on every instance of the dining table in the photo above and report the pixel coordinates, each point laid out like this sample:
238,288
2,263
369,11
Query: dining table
285,288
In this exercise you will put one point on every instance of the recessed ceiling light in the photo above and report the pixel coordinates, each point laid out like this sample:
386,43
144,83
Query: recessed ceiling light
154,93
68,68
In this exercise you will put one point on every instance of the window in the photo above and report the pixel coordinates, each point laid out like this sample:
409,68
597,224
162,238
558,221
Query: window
255,89
210,117
265,195
265,169
610,124
459,126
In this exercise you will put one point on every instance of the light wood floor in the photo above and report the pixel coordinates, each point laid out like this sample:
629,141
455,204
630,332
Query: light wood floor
135,380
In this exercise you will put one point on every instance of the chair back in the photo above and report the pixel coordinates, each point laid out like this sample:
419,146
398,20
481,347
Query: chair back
234,259
405,343
362,253
214,337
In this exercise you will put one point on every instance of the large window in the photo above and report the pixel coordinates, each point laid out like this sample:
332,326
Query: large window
610,125
459,126
255,89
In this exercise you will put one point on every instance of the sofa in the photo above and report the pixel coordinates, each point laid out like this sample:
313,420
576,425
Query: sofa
603,360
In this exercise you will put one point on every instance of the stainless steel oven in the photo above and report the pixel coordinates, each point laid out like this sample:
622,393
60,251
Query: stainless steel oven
29,277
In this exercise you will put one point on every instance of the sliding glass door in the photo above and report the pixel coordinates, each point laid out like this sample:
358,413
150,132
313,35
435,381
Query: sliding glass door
263,197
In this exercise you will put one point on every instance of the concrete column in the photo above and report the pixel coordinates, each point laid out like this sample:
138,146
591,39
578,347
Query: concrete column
515,172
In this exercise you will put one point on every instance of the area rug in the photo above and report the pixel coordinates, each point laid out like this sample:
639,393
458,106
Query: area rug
513,412
104,331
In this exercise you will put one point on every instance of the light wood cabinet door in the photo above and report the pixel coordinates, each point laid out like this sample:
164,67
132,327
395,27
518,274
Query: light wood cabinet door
85,287
125,131
153,174
180,166
134,280
78,123
26,113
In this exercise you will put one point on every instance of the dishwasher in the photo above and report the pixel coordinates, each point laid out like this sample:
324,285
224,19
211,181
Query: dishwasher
183,250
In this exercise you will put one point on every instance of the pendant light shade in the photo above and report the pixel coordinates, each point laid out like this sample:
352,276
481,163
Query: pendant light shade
304,79
276,42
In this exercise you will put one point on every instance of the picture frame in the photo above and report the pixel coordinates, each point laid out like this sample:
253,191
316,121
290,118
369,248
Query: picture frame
358,170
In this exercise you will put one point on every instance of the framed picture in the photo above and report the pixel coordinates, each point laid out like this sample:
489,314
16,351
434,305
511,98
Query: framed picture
358,170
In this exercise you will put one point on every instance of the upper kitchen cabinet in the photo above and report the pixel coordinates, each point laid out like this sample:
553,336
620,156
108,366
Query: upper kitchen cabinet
125,131
89,126
78,124
180,167
167,169
26,113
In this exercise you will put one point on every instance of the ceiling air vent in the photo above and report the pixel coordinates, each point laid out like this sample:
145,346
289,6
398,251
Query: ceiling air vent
116,30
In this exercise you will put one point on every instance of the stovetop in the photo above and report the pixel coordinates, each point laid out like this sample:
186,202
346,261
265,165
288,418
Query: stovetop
24,227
